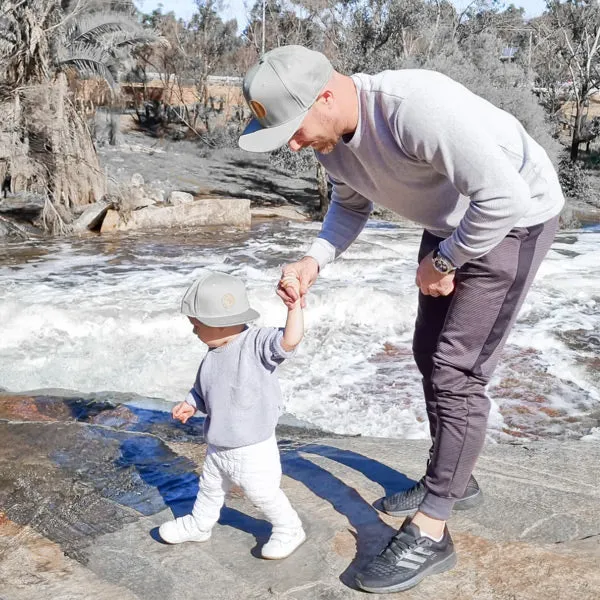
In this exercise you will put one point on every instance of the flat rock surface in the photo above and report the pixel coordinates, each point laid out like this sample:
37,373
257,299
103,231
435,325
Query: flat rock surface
86,480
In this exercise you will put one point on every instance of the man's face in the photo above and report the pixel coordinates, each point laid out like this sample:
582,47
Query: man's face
316,131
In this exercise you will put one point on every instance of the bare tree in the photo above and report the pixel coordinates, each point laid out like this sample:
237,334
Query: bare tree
196,50
572,36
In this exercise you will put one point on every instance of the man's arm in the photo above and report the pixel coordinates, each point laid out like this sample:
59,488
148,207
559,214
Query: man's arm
347,215
345,219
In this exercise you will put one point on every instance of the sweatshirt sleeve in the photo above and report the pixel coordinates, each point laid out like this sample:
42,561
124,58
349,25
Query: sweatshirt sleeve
195,399
347,215
439,130
269,348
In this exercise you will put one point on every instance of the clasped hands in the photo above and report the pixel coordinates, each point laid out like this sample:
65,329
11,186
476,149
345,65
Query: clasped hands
305,272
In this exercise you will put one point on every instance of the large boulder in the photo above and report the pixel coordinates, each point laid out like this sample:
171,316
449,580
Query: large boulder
234,212
177,198
134,197
91,217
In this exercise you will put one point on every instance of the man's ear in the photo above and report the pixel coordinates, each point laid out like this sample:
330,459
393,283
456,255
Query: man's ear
326,96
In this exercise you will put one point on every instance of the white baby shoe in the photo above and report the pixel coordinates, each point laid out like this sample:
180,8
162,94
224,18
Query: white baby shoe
182,529
282,543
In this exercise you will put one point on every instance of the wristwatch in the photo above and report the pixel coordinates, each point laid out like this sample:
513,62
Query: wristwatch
441,263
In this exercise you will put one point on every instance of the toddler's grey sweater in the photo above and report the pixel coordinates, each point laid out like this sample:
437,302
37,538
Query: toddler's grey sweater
238,390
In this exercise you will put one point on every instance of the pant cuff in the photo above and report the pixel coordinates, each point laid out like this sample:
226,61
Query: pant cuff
437,507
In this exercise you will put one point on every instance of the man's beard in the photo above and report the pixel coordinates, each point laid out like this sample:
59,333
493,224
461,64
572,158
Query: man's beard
326,147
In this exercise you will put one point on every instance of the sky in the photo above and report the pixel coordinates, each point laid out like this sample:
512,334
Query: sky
238,8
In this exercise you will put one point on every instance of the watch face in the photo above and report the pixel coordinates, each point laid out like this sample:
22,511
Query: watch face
440,264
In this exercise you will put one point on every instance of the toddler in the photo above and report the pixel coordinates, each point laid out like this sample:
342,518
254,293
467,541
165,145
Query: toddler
238,390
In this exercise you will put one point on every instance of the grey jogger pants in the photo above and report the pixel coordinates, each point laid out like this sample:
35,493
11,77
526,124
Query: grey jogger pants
457,343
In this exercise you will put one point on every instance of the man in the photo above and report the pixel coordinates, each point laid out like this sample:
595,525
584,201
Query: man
488,198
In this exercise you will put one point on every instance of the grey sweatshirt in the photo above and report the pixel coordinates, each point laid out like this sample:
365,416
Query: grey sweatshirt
238,390
437,154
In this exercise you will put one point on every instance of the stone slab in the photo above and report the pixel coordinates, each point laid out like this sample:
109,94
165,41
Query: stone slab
85,483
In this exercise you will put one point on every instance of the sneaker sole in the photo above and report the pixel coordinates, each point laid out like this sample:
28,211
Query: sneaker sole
462,504
286,555
175,542
469,502
445,565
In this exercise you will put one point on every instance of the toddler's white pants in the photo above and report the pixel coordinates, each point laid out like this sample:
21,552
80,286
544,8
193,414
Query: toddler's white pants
257,470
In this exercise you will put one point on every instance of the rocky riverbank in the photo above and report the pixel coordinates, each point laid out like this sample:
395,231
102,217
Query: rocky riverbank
86,480
161,184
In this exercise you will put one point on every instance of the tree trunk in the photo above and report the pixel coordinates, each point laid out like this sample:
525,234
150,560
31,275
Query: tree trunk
114,135
323,191
576,133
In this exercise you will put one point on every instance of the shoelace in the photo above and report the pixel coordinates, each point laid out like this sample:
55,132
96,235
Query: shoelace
398,546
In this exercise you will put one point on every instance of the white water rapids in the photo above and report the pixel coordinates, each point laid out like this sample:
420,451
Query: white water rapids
102,314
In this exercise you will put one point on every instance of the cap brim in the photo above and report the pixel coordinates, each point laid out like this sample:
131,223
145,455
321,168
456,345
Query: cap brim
257,138
229,320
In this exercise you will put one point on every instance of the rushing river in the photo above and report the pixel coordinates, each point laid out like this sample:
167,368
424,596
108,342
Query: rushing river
102,314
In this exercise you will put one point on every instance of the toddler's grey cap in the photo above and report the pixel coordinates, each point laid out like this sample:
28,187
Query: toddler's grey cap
280,89
218,300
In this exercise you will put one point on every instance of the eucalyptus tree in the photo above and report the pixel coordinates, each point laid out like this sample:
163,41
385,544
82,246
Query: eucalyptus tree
284,23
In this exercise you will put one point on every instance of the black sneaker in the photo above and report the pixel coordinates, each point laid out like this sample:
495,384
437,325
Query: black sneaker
407,502
408,558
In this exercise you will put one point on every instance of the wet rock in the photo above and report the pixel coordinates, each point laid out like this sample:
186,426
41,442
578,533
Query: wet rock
11,229
92,217
24,207
110,222
204,212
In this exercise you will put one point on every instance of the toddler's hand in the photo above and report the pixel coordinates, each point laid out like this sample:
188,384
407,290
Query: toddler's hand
288,282
183,411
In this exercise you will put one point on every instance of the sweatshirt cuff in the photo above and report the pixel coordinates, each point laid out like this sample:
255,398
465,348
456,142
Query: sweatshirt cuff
277,349
457,256
191,400
322,251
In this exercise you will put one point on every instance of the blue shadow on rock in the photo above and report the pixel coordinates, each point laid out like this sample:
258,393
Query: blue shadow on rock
372,533
389,479
176,482
147,476
170,474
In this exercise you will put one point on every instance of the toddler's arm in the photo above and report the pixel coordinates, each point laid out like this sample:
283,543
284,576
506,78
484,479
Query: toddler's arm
294,326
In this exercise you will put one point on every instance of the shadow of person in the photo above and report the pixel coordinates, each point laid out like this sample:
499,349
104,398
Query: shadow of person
174,478
389,479
371,532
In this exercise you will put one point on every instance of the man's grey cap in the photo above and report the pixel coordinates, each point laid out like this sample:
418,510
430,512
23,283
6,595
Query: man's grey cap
218,300
280,89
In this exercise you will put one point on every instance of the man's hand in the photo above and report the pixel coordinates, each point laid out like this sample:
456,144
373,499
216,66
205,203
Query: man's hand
183,411
431,282
290,285
306,272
